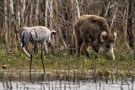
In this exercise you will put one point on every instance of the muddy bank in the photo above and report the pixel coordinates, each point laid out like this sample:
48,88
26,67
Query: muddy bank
67,75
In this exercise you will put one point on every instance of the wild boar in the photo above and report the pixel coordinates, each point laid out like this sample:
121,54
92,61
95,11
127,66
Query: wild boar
94,31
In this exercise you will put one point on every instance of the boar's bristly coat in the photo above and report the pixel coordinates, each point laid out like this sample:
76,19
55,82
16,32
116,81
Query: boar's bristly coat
94,31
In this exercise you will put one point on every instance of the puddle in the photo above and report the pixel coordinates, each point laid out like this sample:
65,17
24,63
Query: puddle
65,85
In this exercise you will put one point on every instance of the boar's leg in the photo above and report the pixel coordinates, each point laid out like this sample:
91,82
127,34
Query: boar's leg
83,49
78,46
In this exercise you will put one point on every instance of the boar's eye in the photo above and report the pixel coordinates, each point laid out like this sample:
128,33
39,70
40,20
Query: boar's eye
107,46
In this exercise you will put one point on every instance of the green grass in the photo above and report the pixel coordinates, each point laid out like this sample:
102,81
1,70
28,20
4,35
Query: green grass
60,61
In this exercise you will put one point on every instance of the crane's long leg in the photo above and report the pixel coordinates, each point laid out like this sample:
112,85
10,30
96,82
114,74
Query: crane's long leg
42,49
31,57
30,65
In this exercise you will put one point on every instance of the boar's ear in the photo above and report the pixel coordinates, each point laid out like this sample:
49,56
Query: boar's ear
103,36
115,35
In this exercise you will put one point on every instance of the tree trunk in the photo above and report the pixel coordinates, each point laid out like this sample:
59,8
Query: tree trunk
73,41
77,9
46,13
18,14
11,7
6,27
130,37
11,23
22,10
36,12
31,13
51,13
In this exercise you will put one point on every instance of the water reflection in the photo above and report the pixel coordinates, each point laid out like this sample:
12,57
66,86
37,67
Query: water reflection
64,85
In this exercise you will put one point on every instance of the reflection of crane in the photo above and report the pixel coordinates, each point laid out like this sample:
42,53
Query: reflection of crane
35,34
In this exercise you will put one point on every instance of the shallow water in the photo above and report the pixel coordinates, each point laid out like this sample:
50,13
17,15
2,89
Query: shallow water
64,85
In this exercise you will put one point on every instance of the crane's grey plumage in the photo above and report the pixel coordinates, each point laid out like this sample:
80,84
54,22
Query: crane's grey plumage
35,34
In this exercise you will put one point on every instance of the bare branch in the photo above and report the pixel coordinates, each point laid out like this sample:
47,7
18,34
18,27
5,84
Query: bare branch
108,7
114,17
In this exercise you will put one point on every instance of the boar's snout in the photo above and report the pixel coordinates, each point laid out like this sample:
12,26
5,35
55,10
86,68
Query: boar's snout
107,54
110,55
